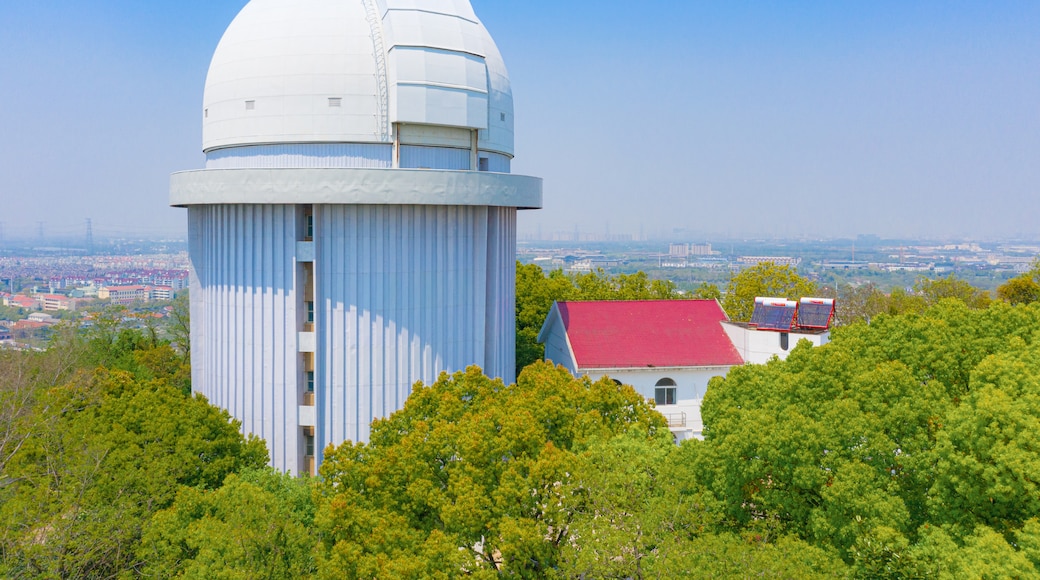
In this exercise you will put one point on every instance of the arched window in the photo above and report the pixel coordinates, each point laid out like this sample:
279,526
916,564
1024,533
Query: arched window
664,392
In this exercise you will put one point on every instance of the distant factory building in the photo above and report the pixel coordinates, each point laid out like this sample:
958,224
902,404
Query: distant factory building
778,260
354,230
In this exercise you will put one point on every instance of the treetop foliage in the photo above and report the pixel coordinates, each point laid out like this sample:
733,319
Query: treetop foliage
901,446
765,279
536,291
907,447
473,475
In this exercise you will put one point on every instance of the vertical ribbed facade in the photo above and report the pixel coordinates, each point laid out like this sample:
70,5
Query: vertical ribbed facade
401,294
404,293
244,312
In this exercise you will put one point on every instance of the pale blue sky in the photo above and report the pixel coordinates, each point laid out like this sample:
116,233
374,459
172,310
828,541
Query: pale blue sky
724,118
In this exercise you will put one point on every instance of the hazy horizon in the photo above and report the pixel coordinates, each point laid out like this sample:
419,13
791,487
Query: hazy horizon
722,120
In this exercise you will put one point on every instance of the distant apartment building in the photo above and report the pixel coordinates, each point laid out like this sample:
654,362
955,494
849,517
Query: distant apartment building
162,293
56,302
178,281
22,301
135,292
42,318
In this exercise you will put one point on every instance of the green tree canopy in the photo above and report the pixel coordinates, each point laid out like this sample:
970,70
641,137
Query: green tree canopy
904,446
951,287
259,523
471,476
98,452
536,291
1024,289
765,279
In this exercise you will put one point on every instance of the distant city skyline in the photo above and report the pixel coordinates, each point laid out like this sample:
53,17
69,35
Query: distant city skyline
751,120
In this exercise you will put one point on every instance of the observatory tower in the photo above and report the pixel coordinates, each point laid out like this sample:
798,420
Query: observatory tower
354,230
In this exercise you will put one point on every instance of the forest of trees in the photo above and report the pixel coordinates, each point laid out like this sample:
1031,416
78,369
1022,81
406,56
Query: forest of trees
908,447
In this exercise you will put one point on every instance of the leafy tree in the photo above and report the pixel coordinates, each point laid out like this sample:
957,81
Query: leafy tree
116,453
640,507
1019,290
989,451
24,379
903,425
951,287
258,524
536,292
982,553
902,302
706,291
471,476
860,303
729,555
765,279
1024,289
180,325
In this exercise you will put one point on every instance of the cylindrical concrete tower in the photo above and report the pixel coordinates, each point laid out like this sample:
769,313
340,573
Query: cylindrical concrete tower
354,230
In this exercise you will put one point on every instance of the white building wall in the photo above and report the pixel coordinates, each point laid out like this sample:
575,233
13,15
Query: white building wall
500,293
759,346
691,383
321,155
684,417
402,294
244,318
557,348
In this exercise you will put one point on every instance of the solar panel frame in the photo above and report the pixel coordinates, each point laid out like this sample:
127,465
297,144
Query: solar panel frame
770,317
815,315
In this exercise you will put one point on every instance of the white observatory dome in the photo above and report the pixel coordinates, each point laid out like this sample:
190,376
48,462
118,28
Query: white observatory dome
357,72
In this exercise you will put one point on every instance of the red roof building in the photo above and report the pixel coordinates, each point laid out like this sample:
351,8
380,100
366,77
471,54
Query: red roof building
642,334
667,350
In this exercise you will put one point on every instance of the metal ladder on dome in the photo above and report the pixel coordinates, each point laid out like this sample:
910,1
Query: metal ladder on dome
375,23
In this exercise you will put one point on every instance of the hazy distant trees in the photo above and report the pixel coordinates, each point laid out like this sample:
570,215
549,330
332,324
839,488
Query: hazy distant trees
1024,289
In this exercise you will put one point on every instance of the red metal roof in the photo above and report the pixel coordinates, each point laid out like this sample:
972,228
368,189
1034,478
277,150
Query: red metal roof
648,333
